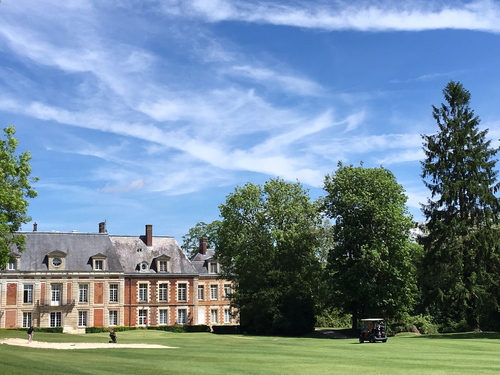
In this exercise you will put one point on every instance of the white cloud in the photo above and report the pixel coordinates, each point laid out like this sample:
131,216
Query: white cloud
270,78
481,15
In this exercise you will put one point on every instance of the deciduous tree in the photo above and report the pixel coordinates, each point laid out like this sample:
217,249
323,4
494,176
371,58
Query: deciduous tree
15,189
461,264
267,244
191,241
371,268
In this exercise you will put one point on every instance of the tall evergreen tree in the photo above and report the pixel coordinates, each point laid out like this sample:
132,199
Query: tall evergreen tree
461,265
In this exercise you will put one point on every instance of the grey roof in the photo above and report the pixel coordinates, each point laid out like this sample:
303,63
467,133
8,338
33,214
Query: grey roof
199,261
79,248
132,251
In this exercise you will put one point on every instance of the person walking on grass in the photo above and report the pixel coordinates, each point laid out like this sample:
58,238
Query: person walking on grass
31,330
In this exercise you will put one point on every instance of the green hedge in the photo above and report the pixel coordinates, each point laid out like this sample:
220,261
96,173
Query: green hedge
38,329
181,329
178,329
226,329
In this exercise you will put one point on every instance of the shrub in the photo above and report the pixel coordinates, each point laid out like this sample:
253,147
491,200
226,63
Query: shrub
96,329
453,327
333,318
419,324
226,329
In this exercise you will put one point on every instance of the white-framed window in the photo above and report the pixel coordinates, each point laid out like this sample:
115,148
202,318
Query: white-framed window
163,292
227,291
83,293
28,294
143,292
143,317
26,319
227,316
82,319
98,265
55,294
113,318
162,265
163,318
201,292
214,292
182,292
181,316
213,316
113,293
213,268
11,266
56,319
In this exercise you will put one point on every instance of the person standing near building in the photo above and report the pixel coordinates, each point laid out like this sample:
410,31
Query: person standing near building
31,331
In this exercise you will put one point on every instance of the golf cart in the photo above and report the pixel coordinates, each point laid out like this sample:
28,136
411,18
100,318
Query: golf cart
373,331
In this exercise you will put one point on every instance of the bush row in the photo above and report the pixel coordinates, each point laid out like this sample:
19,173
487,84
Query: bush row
38,329
179,329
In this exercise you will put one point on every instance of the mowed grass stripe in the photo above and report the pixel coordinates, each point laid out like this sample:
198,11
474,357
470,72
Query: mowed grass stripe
203,353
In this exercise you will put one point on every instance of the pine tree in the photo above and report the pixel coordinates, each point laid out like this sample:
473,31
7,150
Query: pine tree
461,264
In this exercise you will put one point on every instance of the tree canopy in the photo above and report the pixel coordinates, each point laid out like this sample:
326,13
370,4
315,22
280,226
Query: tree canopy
371,266
191,240
15,189
267,244
461,265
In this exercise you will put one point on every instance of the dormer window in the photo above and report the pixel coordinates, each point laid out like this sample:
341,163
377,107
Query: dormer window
99,262
214,267
56,260
162,263
11,266
144,267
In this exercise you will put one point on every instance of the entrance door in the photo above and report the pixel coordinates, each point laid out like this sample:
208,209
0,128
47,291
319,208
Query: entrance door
55,299
201,315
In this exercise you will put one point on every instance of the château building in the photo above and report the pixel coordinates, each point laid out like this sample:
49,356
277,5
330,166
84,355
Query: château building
76,280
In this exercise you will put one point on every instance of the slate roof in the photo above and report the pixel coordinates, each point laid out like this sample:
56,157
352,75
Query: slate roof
132,251
79,247
199,261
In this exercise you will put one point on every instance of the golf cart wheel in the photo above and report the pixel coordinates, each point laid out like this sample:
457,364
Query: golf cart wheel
361,340
384,340
372,339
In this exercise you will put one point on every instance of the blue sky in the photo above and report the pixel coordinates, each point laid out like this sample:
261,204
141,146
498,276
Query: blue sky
150,112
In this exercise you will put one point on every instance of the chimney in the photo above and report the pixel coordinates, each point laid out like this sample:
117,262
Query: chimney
35,225
203,245
149,235
102,227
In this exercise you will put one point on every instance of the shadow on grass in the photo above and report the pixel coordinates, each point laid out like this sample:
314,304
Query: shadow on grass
462,336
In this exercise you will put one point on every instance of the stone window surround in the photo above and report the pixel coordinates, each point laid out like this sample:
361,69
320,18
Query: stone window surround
158,317
159,260
185,282
148,291
177,315
98,259
167,292
56,254
145,308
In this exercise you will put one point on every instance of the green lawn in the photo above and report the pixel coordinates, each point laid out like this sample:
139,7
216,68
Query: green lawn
204,353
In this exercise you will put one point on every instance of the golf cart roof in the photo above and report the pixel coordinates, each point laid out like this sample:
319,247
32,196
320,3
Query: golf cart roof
372,319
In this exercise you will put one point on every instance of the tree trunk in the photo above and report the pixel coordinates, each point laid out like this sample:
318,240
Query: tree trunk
354,316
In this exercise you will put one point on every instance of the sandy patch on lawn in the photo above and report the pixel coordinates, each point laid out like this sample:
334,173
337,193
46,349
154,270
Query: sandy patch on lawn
79,345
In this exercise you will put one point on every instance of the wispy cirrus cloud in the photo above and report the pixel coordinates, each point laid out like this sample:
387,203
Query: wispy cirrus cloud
207,123
482,15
